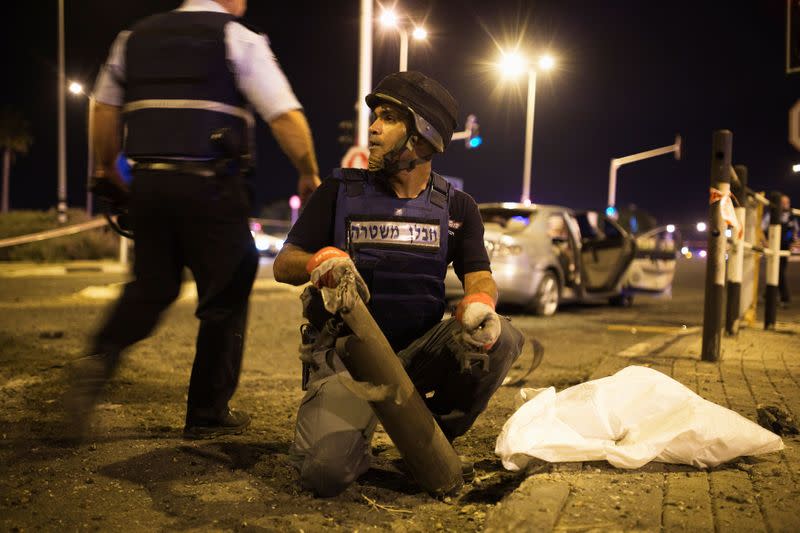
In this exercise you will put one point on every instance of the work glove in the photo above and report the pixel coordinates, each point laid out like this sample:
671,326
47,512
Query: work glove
335,274
480,324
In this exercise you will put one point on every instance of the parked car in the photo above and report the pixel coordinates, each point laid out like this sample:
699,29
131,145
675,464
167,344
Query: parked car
543,255
268,244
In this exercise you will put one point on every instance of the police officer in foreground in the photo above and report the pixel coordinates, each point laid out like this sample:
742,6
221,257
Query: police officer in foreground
181,83
349,229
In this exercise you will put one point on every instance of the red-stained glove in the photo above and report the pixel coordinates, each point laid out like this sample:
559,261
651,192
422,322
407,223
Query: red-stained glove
333,272
480,324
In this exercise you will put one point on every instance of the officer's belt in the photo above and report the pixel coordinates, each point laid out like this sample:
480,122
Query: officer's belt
178,167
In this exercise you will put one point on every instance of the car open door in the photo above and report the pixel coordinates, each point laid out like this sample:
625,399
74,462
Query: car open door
653,267
607,251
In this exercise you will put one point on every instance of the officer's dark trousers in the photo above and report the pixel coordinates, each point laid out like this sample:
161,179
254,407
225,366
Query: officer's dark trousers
334,426
200,223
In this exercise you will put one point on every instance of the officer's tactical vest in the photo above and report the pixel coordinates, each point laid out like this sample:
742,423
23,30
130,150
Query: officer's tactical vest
399,246
179,87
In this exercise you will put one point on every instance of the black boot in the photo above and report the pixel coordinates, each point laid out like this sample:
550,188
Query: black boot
205,424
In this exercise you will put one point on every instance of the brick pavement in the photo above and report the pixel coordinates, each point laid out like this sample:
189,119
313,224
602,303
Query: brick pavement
748,494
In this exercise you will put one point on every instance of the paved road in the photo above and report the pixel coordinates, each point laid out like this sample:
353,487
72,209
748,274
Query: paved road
596,331
139,475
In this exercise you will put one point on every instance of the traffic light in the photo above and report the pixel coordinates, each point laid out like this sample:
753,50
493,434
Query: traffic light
346,133
473,139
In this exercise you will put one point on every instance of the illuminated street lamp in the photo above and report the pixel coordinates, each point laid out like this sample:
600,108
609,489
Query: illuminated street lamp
796,168
513,65
390,19
75,88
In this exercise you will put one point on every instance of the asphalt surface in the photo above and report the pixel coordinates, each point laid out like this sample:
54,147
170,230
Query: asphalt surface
136,473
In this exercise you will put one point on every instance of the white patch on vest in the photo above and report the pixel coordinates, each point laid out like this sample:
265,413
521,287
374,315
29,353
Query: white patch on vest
415,234
398,212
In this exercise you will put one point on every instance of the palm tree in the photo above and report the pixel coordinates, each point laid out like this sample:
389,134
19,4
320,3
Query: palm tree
15,138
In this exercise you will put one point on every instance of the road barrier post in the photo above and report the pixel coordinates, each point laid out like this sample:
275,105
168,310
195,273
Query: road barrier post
773,261
721,144
753,236
736,255
123,250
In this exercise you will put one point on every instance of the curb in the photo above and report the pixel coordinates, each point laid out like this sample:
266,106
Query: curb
19,270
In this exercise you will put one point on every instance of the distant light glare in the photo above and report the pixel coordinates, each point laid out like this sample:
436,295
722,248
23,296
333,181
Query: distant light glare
75,88
419,34
547,62
685,250
796,168
703,253
611,211
670,228
388,18
728,233
475,142
294,202
701,226
512,65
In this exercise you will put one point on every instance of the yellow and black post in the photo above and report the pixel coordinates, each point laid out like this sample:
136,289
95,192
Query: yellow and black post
721,144
773,261
736,255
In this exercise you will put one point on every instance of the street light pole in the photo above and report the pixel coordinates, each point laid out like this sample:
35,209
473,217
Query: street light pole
619,161
403,49
364,72
531,105
62,131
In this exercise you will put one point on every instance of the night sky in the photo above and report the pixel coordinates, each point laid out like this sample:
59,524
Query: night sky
631,75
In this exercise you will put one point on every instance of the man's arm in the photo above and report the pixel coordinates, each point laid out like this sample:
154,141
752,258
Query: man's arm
294,137
290,265
480,281
105,141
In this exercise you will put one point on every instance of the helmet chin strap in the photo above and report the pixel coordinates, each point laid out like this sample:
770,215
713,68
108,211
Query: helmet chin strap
391,165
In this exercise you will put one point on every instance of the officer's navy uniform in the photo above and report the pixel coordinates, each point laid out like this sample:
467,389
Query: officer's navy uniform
400,247
180,77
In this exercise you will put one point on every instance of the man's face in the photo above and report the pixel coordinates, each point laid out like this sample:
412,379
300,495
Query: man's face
387,133
785,203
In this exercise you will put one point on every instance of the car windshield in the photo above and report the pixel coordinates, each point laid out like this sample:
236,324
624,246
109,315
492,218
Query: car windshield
507,218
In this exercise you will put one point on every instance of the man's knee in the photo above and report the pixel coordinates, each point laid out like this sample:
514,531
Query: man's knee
334,462
508,345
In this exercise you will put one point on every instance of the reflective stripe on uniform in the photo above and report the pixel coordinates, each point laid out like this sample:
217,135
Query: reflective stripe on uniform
203,105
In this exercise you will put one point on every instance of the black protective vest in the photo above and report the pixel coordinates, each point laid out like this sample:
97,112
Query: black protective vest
179,87
399,246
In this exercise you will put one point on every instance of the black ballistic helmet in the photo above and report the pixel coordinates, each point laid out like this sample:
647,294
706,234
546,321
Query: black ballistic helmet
433,108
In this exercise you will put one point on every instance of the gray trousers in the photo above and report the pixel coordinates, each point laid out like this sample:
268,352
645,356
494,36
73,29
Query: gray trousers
334,426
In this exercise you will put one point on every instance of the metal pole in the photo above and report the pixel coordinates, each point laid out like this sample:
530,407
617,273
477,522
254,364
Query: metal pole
619,161
364,72
403,49
123,250
89,164
526,171
6,185
715,262
736,259
62,131
612,183
773,261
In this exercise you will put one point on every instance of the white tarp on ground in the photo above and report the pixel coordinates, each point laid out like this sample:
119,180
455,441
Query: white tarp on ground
636,416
